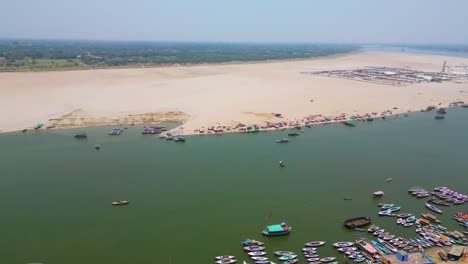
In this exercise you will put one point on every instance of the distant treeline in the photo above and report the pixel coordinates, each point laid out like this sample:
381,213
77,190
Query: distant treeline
462,48
43,55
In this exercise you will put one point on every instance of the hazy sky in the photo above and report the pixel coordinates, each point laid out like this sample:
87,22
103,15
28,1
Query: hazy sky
384,21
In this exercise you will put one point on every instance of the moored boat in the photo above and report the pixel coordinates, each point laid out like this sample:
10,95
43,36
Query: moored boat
225,257
284,140
254,248
257,253
327,259
343,244
433,208
225,261
357,222
315,244
378,194
283,253
287,257
251,242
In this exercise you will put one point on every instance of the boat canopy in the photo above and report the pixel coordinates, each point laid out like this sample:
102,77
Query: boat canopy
275,228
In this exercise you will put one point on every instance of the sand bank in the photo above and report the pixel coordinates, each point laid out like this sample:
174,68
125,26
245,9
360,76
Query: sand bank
218,95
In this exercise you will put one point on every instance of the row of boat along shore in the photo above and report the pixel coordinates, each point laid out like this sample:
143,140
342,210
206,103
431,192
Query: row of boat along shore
431,234
308,122
151,130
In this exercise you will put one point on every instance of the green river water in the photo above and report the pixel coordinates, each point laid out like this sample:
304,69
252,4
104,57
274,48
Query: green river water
192,201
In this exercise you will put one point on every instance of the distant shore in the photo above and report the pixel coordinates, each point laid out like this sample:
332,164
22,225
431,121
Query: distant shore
222,95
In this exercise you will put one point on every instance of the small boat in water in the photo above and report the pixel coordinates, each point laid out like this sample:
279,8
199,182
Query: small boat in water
282,164
343,244
281,229
284,140
315,244
327,259
357,222
120,202
179,139
81,135
225,261
433,208
294,134
116,131
97,147
439,117
373,228
386,206
254,248
378,194
251,242
257,253
283,253
224,257
287,257
348,124
259,258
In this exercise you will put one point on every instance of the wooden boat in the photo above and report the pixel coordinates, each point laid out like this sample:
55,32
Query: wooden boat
348,124
225,261
281,229
315,244
378,194
259,258
410,219
442,256
81,135
386,206
439,117
292,261
373,228
179,139
120,203
359,259
283,253
254,248
251,242
225,257
287,257
309,249
294,134
327,259
357,222
116,131
257,253
343,244
284,140
345,249
403,215
394,208
311,256
388,245
433,208
312,259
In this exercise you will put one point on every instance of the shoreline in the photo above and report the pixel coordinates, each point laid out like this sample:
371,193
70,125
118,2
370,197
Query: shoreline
225,95
296,126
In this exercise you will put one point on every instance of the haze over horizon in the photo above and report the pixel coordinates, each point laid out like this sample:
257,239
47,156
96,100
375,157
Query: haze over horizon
364,21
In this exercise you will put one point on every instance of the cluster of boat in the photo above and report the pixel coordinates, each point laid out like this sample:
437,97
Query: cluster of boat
462,219
418,192
173,138
388,209
311,255
151,130
449,196
256,251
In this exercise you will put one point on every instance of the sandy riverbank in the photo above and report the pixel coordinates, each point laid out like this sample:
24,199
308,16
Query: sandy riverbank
218,95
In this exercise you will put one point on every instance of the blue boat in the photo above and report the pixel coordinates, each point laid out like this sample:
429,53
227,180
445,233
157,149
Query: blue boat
284,140
277,230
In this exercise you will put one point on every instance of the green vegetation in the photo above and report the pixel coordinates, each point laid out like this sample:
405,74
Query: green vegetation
26,55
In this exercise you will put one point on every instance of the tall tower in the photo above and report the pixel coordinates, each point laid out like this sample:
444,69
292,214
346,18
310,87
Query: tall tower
443,66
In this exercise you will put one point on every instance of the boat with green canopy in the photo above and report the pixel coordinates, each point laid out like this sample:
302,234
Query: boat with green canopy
281,229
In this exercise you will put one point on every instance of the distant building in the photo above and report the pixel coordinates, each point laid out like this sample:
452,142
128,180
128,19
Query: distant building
407,258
